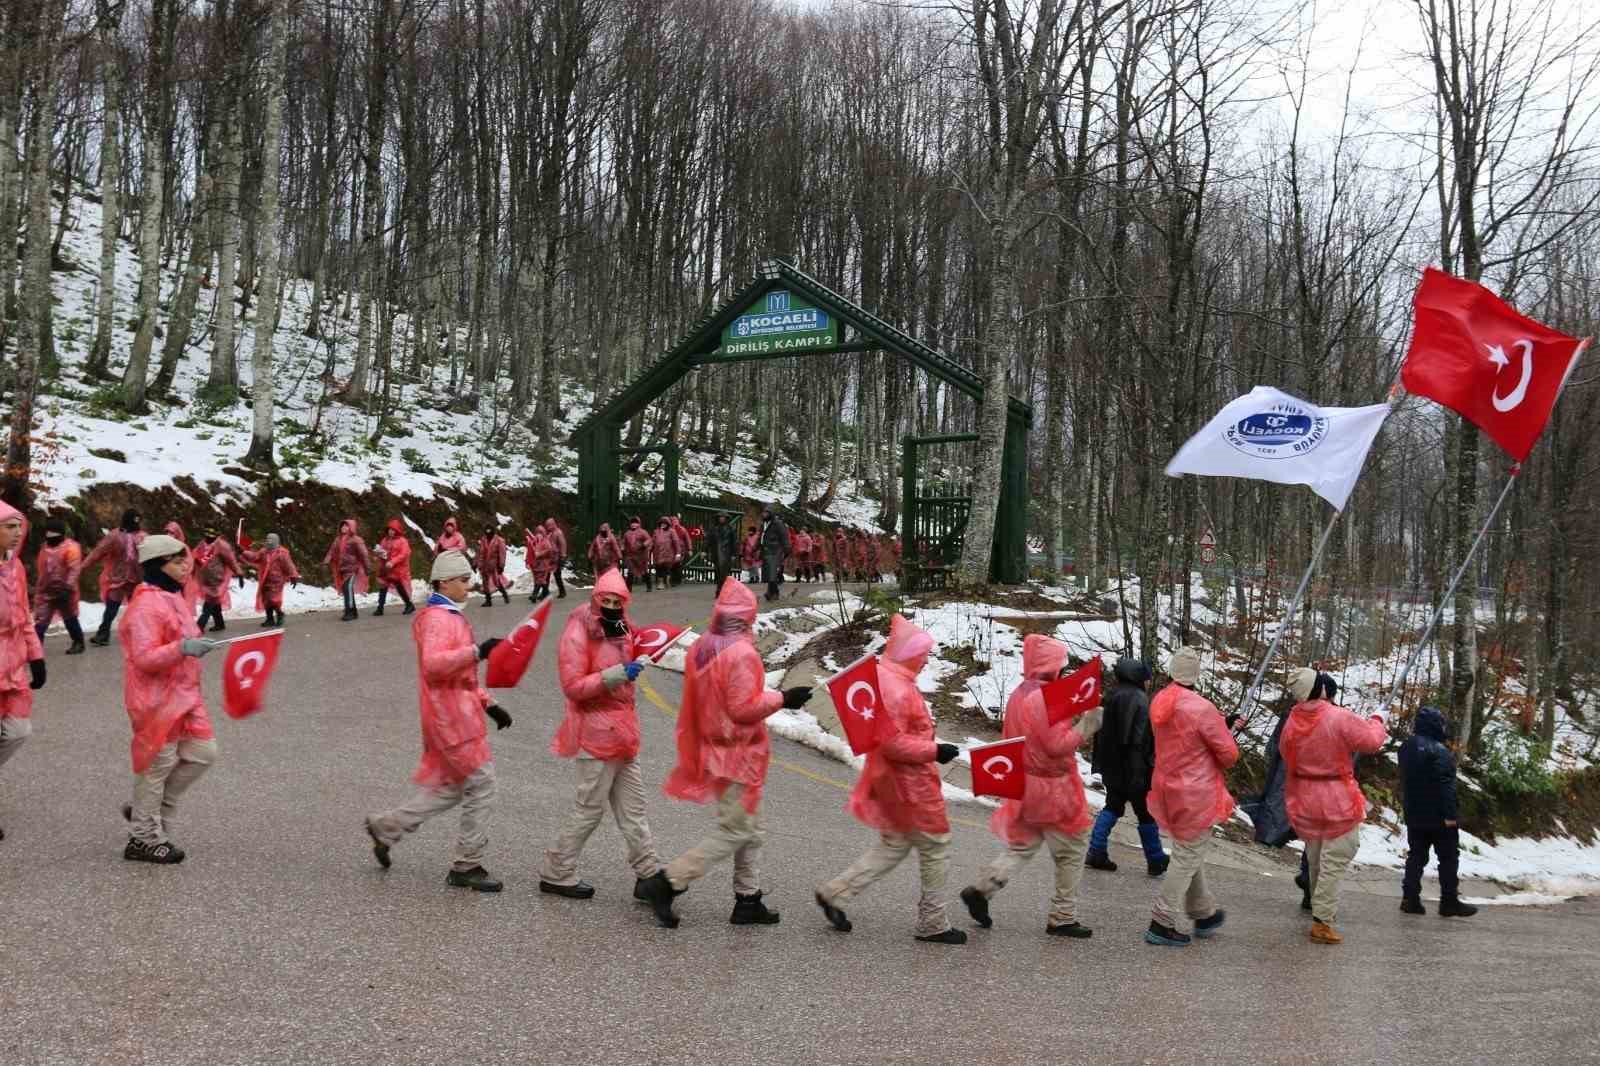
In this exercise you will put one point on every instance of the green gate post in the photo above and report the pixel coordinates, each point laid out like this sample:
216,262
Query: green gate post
908,508
1009,563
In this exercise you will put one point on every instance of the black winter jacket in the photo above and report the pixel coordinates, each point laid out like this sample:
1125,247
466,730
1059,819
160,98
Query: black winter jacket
1125,748
1428,773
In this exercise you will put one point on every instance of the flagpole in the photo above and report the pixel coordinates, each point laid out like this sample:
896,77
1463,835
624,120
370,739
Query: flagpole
1294,607
1422,642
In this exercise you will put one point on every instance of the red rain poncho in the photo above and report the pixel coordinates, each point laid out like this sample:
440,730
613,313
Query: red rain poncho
1193,746
451,703
802,546
899,790
491,559
274,568
558,539
751,551
681,533
19,644
664,546
605,551
160,685
451,539
599,721
57,570
1319,786
636,545
1054,795
215,563
347,557
395,570
118,550
722,735
541,555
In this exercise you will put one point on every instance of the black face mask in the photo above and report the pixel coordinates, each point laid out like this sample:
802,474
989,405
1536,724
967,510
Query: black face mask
611,621
53,538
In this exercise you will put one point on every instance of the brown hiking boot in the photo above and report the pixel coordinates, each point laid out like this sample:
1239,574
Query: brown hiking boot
1323,933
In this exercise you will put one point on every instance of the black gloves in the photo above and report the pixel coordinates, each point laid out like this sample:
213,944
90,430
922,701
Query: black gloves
497,714
947,752
241,581
1232,720
483,653
36,668
795,698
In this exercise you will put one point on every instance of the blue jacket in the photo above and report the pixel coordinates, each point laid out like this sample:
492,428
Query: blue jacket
1428,773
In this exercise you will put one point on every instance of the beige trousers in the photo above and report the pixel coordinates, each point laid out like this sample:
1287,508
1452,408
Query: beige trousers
617,785
1183,890
14,732
1068,853
475,795
1326,862
156,791
933,851
738,833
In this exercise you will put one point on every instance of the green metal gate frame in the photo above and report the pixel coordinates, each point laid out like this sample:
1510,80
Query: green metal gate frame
933,571
598,437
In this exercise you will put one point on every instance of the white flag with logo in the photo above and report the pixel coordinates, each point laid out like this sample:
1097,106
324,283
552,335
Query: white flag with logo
1269,435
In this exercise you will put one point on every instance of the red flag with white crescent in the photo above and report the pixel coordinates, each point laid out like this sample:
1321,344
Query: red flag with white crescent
246,671
997,769
654,640
241,538
510,658
1074,694
858,701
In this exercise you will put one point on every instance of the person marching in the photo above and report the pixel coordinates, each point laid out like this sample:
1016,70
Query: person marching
1187,797
217,565
900,794
664,552
724,544
750,555
802,554
348,561
841,555
118,554
1428,795
173,745
774,548
558,546
1326,807
1052,810
1124,753
636,545
680,533
394,568
492,565
22,669
597,668
274,568
605,551
457,767
542,563
723,754
451,539
58,566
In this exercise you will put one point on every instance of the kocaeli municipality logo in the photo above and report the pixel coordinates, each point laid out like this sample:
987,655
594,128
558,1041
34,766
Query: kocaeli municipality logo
1281,431
779,318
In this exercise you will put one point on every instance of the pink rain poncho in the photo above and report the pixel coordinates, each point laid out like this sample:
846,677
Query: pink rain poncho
58,570
1193,747
451,703
636,545
118,551
541,556
451,539
600,721
492,561
605,551
664,546
1319,787
899,790
160,685
722,735
1053,798
347,557
19,644
558,539
216,563
395,570
274,568
750,551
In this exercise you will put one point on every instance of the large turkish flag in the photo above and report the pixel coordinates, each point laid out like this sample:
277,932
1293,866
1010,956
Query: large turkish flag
245,673
1070,696
1473,353
859,703
655,640
510,658
997,769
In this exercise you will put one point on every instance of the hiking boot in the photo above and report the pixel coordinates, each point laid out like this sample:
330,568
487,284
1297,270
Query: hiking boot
949,936
835,916
581,890
660,891
377,612
977,906
505,596
1412,905
477,879
349,613
1165,936
1452,907
1099,860
163,854
410,609
77,647
218,626
100,640
488,601
1323,933
267,623
1157,867
380,850
1205,928
749,910
640,891
1075,930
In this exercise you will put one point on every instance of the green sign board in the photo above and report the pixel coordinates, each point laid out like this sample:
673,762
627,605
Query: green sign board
779,321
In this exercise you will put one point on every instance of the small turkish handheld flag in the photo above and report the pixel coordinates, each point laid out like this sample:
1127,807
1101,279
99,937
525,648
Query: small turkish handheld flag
1070,696
246,671
1473,353
240,537
997,769
859,704
654,640
510,658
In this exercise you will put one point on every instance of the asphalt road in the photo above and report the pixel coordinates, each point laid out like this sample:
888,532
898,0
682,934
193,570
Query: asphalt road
280,941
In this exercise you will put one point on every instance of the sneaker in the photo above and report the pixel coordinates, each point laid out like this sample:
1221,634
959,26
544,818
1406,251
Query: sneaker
1412,905
977,906
1075,930
749,910
581,890
949,936
163,854
380,850
835,916
661,892
1323,933
1165,936
477,879
1454,908
1099,860
1205,928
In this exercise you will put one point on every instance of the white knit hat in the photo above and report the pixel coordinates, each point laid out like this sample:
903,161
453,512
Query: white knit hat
1301,682
159,546
449,564
1184,666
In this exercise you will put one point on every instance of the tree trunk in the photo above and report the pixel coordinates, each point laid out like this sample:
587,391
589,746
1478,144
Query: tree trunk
222,385
999,342
181,316
110,197
262,378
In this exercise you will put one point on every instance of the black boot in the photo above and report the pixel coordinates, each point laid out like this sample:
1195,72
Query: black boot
949,936
1305,891
660,891
977,906
380,850
477,879
100,640
219,625
1099,860
1452,907
1412,905
411,608
749,910
377,612
77,647
1075,930
835,916
488,600
505,596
